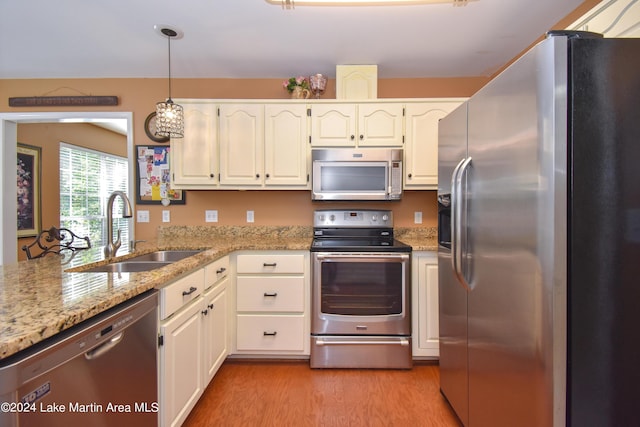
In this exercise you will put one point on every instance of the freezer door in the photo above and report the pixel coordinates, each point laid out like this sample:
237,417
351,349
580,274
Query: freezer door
452,147
516,315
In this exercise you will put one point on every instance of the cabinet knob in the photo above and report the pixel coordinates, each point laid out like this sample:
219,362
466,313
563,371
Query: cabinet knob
361,137
257,175
210,306
267,176
353,137
205,312
409,176
211,175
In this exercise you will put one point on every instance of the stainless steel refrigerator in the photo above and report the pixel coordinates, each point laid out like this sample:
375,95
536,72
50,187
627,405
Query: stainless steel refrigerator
539,240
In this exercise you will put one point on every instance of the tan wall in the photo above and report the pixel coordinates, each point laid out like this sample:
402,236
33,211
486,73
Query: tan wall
48,136
271,207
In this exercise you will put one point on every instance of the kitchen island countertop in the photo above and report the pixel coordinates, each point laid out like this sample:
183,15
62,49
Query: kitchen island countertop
42,297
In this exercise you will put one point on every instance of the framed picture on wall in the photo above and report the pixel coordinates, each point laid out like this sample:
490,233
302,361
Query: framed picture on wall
153,179
28,182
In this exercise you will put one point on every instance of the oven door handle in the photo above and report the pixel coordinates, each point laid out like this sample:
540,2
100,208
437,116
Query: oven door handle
328,256
401,341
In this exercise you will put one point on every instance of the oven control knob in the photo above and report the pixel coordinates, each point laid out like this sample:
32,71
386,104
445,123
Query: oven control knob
332,218
321,217
385,217
374,218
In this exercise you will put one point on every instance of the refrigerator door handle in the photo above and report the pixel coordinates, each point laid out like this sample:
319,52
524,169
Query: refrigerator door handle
457,222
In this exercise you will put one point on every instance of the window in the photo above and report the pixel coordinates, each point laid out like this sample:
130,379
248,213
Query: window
87,178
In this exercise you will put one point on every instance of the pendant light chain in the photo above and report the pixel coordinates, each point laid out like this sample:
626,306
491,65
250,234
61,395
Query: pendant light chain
169,42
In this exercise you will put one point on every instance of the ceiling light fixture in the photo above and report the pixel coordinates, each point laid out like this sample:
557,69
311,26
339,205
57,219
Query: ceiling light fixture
290,4
169,116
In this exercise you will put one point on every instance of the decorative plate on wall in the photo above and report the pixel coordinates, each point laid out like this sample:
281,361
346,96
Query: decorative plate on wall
150,129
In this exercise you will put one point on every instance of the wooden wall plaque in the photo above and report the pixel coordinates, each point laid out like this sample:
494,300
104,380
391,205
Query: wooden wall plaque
62,101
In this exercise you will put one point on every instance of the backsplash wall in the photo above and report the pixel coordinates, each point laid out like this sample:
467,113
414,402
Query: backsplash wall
278,208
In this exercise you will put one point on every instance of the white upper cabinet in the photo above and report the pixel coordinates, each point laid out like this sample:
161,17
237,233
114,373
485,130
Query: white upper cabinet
357,125
333,125
241,144
194,158
234,145
286,147
421,148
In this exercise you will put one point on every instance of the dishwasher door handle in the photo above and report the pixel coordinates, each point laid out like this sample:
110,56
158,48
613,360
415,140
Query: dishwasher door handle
105,347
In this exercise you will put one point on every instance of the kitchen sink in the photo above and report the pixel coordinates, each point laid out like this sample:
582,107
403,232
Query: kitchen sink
164,256
145,262
127,267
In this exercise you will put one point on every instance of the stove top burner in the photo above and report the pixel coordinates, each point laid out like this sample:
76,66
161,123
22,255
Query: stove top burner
363,230
358,245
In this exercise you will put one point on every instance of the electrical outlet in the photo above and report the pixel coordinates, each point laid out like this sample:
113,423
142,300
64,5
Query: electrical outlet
417,217
143,216
166,216
211,216
250,216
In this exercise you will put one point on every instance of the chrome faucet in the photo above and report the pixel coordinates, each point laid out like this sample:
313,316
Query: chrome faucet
112,247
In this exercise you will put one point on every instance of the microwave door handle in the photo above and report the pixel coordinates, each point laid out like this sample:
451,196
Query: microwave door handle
457,222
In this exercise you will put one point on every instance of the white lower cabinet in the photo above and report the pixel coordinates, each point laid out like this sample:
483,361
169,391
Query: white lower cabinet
192,339
272,302
216,312
424,296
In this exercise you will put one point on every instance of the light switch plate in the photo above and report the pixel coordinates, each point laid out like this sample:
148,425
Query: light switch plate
211,216
250,216
417,217
166,216
143,216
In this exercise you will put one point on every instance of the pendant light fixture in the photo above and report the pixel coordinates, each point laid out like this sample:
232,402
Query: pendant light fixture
169,116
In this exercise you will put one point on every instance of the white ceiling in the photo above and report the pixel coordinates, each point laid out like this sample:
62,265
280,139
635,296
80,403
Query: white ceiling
253,39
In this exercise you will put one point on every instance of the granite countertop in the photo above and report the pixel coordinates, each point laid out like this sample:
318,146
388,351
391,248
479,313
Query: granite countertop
42,297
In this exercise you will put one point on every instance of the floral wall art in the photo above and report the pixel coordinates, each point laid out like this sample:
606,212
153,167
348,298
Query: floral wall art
28,184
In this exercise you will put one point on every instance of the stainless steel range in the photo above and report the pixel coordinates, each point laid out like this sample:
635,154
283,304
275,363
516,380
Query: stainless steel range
361,305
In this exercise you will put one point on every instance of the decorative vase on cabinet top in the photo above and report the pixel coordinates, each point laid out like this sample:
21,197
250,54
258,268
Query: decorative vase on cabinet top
300,93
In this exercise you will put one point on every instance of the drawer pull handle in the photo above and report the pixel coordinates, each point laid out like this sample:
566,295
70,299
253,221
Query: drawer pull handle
269,264
275,294
269,334
189,292
221,270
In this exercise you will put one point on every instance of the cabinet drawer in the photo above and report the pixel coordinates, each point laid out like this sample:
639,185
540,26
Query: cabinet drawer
279,263
180,292
216,271
271,333
270,293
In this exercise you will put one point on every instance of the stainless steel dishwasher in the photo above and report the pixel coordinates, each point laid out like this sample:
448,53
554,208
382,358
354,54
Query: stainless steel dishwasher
101,373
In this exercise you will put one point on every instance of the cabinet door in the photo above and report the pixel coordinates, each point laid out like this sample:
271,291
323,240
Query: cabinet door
421,150
194,158
380,125
215,330
286,146
425,305
241,145
333,125
181,365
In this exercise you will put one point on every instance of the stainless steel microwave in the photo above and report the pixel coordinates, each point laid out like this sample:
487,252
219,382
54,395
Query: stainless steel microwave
356,174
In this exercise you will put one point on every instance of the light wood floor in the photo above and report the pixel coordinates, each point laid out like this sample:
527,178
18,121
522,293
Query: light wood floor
286,393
